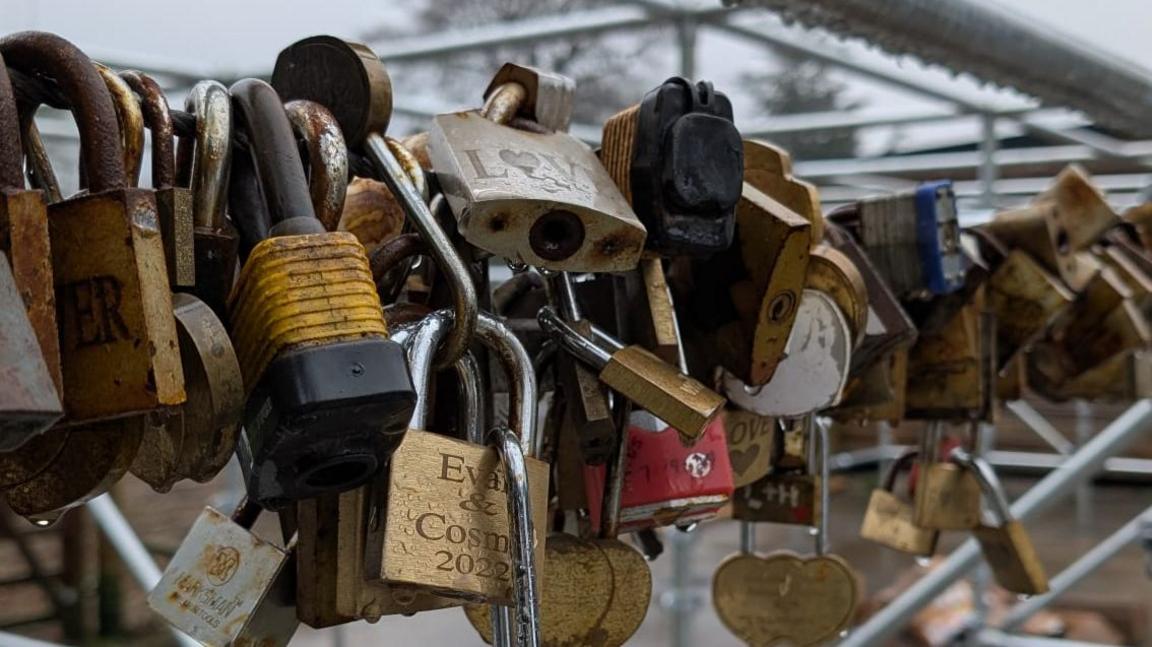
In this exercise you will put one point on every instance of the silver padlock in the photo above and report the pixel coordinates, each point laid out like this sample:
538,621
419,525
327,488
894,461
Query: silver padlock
812,375
29,404
536,197
226,586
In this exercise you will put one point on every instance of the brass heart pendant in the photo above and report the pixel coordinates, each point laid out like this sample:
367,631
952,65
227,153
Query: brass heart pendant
594,593
784,598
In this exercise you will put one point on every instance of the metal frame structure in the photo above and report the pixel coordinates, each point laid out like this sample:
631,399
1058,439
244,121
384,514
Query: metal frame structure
987,178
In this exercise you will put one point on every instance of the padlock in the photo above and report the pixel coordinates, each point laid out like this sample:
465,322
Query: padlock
371,213
812,375
1006,546
331,548
585,400
888,327
945,380
1067,218
328,391
666,483
541,198
29,404
445,528
349,80
173,203
791,492
24,237
1025,298
226,586
677,157
947,495
888,519
320,135
107,258
684,403
751,445
657,328
832,273
205,162
745,304
769,168
912,238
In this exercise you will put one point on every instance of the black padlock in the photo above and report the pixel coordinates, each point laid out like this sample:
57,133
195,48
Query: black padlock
679,161
329,392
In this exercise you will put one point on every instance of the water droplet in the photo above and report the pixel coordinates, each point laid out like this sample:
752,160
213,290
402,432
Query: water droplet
688,528
814,532
923,562
844,633
1023,597
43,523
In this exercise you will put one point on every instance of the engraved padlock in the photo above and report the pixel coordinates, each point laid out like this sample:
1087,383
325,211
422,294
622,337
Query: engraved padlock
107,257
888,519
445,528
541,198
226,586
1006,545
792,491
947,495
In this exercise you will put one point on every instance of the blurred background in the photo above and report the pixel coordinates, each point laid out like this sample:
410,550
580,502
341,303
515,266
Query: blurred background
857,120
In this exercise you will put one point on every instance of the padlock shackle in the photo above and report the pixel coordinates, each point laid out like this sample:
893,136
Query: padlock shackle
472,408
316,128
899,465
11,155
525,589
504,102
261,117
47,55
989,483
158,119
210,154
420,340
131,120
573,342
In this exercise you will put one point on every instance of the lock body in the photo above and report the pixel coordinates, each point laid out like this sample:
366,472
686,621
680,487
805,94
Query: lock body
666,483
1009,551
447,528
540,199
226,586
947,498
888,521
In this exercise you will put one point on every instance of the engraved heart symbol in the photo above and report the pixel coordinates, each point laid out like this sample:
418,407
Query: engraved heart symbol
594,593
525,161
784,598
742,459
750,439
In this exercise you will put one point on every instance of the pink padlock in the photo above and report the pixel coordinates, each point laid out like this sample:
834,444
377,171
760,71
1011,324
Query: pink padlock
665,482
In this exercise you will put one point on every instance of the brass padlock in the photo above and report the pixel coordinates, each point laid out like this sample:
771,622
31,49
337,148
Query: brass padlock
24,236
769,168
28,401
1025,298
888,519
1067,218
945,377
173,203
446,527
226,586
1006,545
684,403
834,274
947,494
107,258
332,541
677,158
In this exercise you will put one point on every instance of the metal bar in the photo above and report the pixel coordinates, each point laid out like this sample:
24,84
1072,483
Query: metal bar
14,640
128,545
994,638
1040,426
988,169
1077,571
1084,464
1011,51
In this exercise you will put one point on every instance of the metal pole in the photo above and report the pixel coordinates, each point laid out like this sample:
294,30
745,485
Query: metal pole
1078,570
994,638
13,640
1040,426
1082,465
1084,492
136,557
686,40
988,169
